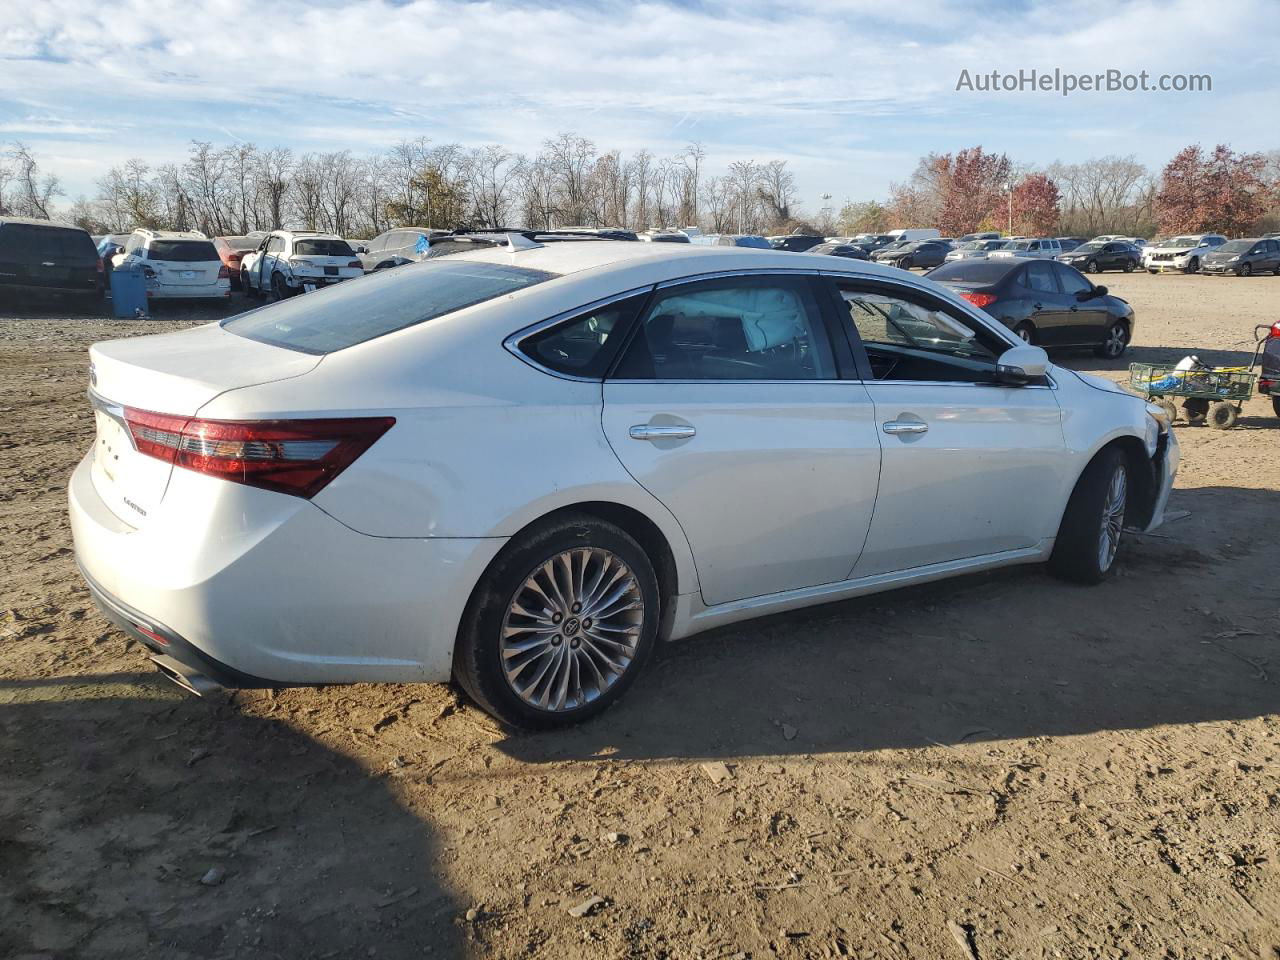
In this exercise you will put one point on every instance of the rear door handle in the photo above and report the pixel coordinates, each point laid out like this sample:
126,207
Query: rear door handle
649,431
894,427
48,263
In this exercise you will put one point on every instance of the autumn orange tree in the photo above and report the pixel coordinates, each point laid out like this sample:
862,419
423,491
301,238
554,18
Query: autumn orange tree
1222,190
1035,206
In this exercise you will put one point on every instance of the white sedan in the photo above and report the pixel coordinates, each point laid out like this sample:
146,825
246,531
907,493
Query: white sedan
523,465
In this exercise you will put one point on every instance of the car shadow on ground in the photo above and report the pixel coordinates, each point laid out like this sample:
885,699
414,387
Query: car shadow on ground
1005,655
107,850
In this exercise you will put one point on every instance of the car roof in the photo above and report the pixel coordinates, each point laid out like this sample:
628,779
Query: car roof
37,222
667,261
172,234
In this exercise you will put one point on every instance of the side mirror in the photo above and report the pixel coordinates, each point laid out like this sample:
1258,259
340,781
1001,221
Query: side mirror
1018,366
1099,291
361,248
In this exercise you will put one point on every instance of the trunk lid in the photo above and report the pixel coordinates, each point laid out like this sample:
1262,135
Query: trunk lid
179,273
174,373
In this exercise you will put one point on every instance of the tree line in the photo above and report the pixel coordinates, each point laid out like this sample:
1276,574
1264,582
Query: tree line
236,188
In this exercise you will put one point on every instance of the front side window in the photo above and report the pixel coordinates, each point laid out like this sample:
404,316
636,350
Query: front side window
585,345
907,338
766,328
275,244
1071,280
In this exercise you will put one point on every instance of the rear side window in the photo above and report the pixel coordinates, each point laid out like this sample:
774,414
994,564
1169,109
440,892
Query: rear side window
585,345
182,251
360,310
745,329
323,247
1039,277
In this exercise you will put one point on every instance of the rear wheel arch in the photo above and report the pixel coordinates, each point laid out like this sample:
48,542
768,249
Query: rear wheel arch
634,523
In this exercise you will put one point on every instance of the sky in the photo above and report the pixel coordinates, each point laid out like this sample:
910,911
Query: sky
849,92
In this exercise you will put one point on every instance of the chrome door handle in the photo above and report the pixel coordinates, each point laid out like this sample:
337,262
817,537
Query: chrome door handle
48,263
649,431
894,427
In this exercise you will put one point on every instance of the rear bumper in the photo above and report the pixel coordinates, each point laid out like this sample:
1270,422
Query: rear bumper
301,280
193,292
253,588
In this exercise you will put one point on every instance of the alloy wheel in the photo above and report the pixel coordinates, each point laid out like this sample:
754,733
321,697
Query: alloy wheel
1112,518
572,629
1117,340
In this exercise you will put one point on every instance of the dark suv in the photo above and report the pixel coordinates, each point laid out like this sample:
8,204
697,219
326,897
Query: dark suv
39,257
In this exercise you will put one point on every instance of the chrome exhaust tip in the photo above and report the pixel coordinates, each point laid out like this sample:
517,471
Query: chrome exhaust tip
188,679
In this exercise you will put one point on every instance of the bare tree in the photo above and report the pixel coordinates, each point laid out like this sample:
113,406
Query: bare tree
31,193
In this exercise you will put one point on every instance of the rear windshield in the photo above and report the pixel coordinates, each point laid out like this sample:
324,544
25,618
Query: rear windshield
323,247
381,303
242,243
182,251
971,271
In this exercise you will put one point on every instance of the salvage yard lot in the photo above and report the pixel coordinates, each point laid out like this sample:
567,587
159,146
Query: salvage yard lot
1003,765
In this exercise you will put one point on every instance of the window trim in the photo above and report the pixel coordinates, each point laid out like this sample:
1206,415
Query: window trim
834,338
512,342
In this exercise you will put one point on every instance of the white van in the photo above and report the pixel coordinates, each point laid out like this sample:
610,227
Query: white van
921,234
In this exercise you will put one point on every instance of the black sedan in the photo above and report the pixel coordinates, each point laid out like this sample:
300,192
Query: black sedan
920,253
850,251
1044,302
1095,257
796,242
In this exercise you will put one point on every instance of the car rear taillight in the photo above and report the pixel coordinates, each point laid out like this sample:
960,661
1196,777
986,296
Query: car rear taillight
355,263
224,273
101,269
1275,331
297,457
980,299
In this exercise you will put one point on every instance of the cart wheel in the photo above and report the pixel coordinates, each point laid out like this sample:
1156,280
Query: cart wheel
1170,408
1196,409
1222,415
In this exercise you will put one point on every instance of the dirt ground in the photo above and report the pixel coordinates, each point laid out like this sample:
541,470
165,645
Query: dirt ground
997,766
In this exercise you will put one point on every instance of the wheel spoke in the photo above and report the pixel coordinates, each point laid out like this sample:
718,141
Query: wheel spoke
556,658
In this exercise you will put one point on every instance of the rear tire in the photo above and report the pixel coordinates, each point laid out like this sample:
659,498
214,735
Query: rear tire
1128,266
1223,415
1246,270
495,634
1092,267
279,289
1026,332
1089,537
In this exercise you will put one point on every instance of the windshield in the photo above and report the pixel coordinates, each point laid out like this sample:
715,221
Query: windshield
1184,242
359,310
1237,246
1019,245
1089,247
323,247
241,243
182,251
993,244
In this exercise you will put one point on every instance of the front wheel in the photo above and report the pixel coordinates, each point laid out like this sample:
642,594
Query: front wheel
279,289
1246,270
905,263
1089,537
1116,341
1091,267
560,624
1193,266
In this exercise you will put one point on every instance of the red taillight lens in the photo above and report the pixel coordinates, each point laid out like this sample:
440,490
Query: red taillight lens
100,267
298,457
355,263
1275,331
980,299
224,273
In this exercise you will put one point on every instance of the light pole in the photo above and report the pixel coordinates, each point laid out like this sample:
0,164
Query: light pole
1008,188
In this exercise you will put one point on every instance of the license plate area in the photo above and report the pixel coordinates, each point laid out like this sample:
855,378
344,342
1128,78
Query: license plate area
330,271
188,274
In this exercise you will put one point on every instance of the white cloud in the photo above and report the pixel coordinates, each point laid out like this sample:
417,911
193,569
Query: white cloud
816,82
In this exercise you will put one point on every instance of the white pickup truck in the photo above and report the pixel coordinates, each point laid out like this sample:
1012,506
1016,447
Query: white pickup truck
292,261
